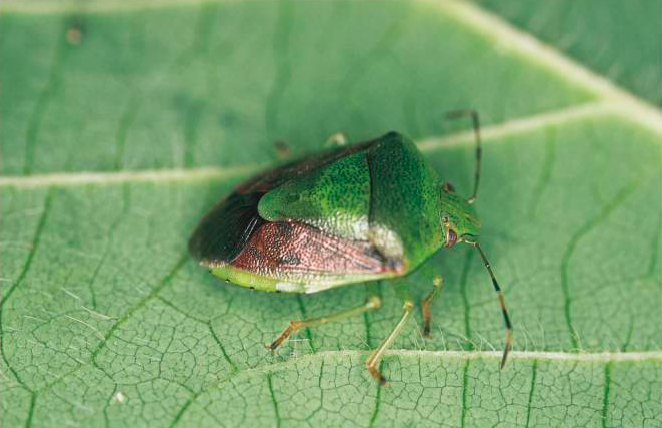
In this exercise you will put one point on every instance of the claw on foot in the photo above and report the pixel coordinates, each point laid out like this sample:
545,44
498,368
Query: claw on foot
426,331
378,376
291,328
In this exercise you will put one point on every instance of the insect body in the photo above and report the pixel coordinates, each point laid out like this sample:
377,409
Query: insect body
370,211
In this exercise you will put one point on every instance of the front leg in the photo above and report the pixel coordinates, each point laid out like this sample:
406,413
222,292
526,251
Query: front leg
437,283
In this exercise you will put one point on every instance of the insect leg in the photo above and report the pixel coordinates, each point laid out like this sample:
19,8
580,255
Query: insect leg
338,139
372,363
373,302
437,282
476,125
502,302
282,149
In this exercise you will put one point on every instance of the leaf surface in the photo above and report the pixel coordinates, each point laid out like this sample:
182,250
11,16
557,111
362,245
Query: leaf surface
115,143
622,40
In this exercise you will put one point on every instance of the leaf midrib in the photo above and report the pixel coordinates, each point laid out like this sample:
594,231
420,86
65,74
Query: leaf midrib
491,133
610,98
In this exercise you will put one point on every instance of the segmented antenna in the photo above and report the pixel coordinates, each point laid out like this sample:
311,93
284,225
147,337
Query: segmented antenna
502,302
476,125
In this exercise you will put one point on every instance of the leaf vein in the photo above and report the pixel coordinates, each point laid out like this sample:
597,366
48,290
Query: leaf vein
465,386
605,401
572,246
273,399
378,401
152,294
430,144
534,372
546,173
465,300
26,267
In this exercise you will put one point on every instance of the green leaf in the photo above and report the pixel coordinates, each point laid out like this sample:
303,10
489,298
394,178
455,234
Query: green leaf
123,123
622,41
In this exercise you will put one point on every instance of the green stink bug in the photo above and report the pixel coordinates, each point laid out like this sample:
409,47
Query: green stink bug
365,212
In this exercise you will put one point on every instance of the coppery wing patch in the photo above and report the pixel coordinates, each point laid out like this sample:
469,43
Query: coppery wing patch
277,248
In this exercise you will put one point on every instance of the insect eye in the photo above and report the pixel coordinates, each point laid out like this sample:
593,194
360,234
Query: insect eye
451,238
448,187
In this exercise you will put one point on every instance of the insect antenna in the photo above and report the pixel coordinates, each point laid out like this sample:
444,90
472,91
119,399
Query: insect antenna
476,125
502,302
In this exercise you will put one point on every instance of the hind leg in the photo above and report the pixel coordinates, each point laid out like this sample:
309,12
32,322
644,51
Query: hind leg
373,302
